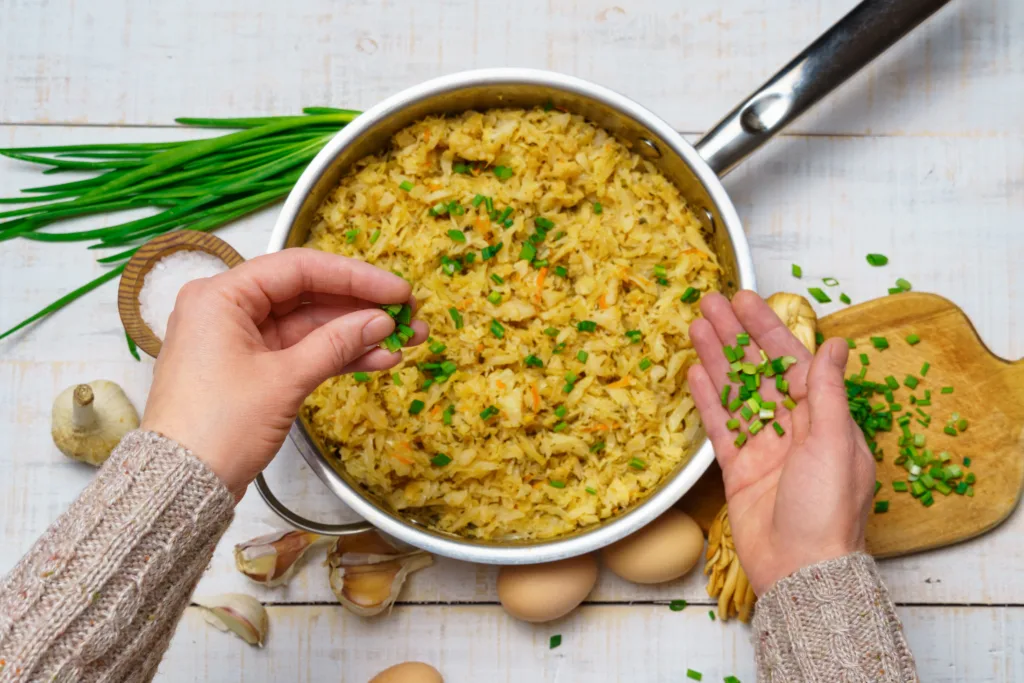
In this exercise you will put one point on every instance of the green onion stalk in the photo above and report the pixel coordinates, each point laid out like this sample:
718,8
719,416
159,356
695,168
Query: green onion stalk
191,185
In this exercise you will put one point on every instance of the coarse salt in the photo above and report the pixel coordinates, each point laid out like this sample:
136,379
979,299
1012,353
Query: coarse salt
166,278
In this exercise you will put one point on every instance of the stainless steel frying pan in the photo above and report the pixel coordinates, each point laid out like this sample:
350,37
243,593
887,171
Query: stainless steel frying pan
860,36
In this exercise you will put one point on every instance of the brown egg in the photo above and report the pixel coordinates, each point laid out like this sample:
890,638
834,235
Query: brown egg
663,550
545,592
409,672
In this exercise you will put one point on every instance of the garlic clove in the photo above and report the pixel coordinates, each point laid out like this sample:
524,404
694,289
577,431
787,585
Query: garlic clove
726,579
798,315
89,420
271,560
238,613
367,572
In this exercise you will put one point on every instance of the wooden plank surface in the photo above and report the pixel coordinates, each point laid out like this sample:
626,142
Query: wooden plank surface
600,644
147,61
927,169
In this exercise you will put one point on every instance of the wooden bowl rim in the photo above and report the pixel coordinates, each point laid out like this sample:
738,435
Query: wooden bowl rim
143,260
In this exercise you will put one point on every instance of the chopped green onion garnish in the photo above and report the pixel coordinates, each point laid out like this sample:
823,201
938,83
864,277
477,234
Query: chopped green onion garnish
877,259
690,295
797,270
742,339
903,284
881,506
899,486
755,427
880,343
645,363
844,298
437,347
789,403
864,360
555,641
732,425
913,339
528,252
568,387
711,614
924,371
660,271
582,356
361,376
741,439
561,411
726,390
561,271
819,296
637,464
551,332
406,185
416,407
494,298
746,412
735,404
961,424
396,378
456,317
490,252
586,326
457,236
489,412
505,214
778,428
461,168
967,462
503,172
599,446
439,209
591,491
598,208
830,281
497,330
478,200
532,361
851,343
497,279
351,235
694,675
677,605
556,484
446,417
910,381
947,390
543,223
455,209
560,426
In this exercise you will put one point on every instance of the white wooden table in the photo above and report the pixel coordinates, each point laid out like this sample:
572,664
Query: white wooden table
920,158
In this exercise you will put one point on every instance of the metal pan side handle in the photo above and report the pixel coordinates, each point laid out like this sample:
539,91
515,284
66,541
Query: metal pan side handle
300,522
867,31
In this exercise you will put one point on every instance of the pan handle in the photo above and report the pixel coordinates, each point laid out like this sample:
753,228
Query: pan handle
300,522
867,31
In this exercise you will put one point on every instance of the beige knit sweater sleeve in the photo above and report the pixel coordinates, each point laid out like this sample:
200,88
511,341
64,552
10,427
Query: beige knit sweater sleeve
832,621
97,598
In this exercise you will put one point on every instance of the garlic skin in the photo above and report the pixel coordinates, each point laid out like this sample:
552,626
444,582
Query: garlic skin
796,314
271,560
728,582
366,571
241,614
89,420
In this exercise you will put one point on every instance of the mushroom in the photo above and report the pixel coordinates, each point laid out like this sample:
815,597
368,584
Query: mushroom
727,581
88,420
796,314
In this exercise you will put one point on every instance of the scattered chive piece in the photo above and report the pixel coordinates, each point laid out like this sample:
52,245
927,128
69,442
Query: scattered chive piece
596,447
437,347
732,425
551,332
440,460
967,462
497,279
819,296
489,412
586,326
778,428
634,336
950,430
407,186
899,486
789,403
375,236
741,439
416,407
711,614
490,252
503,172
735,404
555,484
961,424
726,390
690,295
797,270
561,426
881,506
755,427
731,679
851,343
555,641
497,330
903,284
582,356
694,675
645,363
845,299
592,491
877,259
864,360
677,605
878,486
924,369
913,339
456,317
494,298
743,339
746,412
361,376
880,343
528,252
477,200
637,464
830,281
561,271
947,390
351,235
489,204
895,290
457,236
561,411
396,378
910,381
892,382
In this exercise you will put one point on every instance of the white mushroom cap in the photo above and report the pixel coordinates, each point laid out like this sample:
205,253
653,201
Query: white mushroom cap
89,420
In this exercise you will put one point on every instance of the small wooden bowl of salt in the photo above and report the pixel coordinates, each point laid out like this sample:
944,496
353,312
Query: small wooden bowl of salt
155,273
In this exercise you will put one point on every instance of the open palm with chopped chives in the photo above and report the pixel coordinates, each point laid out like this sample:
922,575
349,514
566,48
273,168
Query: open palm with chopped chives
800,485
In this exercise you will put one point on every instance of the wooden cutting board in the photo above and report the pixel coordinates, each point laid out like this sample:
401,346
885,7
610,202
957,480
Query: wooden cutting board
988,392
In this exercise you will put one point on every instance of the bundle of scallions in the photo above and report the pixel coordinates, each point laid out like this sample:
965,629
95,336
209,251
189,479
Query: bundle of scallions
193,185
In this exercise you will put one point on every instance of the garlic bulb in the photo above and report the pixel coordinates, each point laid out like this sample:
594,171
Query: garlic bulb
366,571
241,614
88,420
728,582
272,559
796,314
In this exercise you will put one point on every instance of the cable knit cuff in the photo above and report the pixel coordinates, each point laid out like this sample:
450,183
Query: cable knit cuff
832,621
